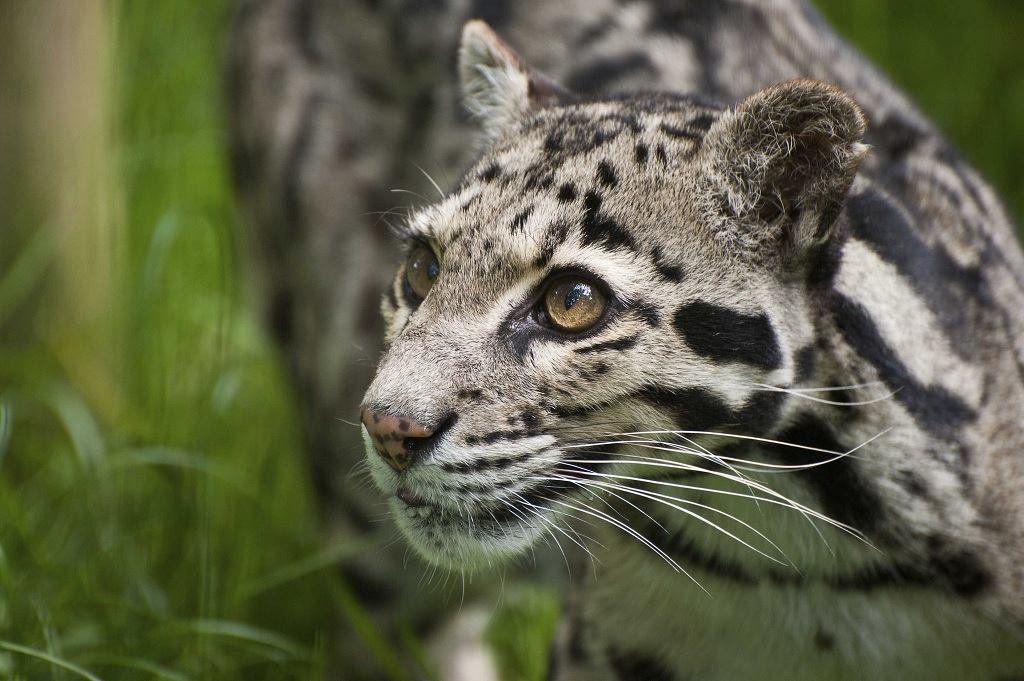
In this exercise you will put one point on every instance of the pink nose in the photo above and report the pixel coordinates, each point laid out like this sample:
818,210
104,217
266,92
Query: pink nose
391,436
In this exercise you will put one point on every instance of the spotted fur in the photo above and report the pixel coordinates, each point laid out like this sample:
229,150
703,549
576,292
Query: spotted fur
795,260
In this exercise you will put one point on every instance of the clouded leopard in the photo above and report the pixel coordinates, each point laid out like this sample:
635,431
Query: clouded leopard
715,310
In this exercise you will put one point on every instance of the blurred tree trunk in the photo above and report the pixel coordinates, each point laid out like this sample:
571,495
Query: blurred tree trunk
55,185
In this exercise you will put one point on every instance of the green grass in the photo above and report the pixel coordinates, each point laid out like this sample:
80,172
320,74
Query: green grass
962,64
155,518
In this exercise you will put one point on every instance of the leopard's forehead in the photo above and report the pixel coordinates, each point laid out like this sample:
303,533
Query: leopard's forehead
598,181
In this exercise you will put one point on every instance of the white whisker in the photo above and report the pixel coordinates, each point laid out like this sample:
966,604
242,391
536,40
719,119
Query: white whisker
820,400
633,533
623,500
829,389
667,500
537,511
431,180
406,191
760,487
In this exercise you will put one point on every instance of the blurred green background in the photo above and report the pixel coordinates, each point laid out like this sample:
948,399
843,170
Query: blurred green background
155,517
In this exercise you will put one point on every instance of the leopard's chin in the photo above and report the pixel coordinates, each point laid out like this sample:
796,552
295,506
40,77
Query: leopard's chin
465,540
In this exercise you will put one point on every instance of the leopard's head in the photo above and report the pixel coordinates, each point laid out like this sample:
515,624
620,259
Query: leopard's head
606,268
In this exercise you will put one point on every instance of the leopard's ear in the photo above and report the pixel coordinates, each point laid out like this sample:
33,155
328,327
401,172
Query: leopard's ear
498,87
780,163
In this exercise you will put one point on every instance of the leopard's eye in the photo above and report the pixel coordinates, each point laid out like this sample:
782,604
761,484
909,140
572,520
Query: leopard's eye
421,270
573,304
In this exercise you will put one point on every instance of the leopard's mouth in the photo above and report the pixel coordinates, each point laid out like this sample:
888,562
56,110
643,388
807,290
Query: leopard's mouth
477,518
467,534
464,519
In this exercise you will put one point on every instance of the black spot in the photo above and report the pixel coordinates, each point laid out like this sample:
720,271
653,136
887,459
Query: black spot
895,136
681,133
472,394
692,408
913,483
567,193
804,362
606,174
543,182
547,251
725,335
553,142
933,407
564,411
648,313
597,74
761,411
520,220
701,122
490,172
659,153
498,435
635,666
958,568
481,464
640,154
600,229
574,134
530,418
617,344
841,489
538,176
555,235
668,271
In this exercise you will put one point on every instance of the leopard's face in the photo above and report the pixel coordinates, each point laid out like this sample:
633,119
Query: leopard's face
574,289
605,269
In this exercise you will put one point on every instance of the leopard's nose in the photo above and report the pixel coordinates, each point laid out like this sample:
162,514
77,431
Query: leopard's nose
394,437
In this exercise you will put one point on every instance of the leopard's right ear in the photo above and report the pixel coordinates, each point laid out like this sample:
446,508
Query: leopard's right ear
498,88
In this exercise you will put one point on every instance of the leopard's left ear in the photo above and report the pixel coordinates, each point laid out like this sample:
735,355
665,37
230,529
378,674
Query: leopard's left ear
778,165
498,87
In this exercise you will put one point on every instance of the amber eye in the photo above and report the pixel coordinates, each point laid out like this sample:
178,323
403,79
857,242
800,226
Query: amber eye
421,270
573,304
